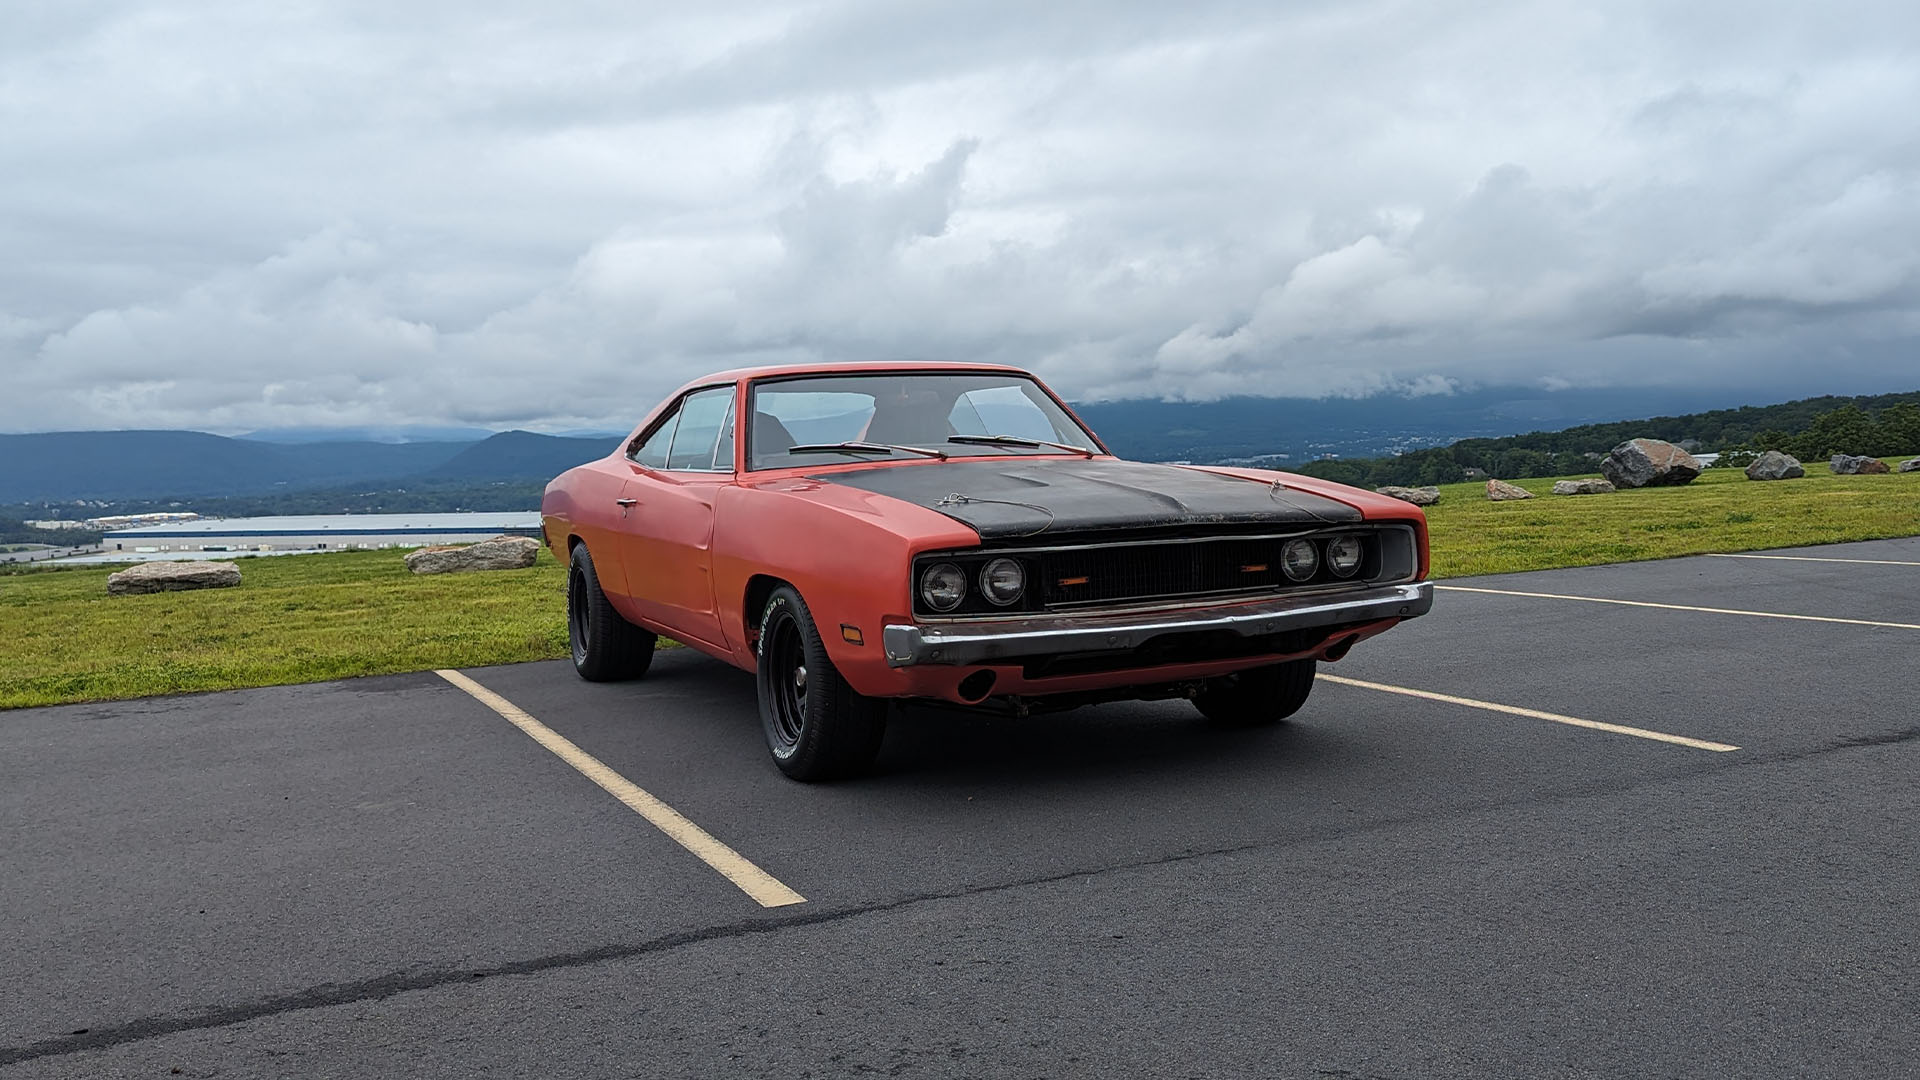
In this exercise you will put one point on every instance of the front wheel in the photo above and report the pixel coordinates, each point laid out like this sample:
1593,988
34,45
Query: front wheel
1257,696
817,727
605,646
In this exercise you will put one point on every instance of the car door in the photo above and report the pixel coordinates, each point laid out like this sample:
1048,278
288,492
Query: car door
667,539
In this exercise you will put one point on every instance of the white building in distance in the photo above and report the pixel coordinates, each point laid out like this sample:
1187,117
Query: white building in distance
315,532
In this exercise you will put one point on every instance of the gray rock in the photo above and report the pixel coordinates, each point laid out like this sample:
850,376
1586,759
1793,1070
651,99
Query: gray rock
156,577
499,553
1855,465
1418,496
1501,491
1774,465
1910,465
1639,463
1583,487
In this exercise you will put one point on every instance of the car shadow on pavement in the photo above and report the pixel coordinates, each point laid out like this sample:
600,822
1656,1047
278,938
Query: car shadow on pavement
1122,739
711,706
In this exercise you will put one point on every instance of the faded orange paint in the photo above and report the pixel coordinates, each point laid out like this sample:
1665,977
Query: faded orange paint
849,552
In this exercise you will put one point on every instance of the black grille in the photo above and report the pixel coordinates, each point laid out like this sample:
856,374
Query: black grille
1100,575
1065,576
1103,575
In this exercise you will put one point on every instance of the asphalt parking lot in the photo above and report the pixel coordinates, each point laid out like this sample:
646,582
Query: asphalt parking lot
386,877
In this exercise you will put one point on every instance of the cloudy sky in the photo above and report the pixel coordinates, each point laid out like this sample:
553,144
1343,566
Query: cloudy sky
227,216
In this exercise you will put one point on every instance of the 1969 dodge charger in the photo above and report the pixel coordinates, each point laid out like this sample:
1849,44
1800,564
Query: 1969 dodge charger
853,533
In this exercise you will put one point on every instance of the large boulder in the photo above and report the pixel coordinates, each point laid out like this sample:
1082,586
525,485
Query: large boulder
1774,465
1418,496
499,553
1501,491
1582,487
156,577
1855,465
1639,463
1910,465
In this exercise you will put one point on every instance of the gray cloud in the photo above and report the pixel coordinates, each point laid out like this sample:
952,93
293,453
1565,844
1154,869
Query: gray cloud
233,216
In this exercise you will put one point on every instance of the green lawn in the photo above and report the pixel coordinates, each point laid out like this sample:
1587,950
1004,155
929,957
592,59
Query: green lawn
304,618
1721,511
295,618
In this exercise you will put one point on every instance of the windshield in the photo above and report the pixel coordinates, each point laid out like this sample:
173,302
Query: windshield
827,419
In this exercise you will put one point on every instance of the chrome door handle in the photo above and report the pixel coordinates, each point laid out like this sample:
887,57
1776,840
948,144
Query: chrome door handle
626,502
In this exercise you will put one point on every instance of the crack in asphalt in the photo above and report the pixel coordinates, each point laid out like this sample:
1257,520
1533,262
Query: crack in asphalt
327,995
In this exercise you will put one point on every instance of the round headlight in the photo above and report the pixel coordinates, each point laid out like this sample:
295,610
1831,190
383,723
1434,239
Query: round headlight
943,586
1002,581
1344,554
1299,559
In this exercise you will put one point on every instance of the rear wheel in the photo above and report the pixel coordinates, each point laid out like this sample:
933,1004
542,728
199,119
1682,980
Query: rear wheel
605,646
1257,696
817,727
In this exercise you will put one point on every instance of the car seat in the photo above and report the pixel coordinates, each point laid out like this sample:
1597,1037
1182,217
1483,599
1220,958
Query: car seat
770,436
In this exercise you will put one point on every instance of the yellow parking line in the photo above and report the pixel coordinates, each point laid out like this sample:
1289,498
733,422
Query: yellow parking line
755,882
1810,558
1683,607
1534,714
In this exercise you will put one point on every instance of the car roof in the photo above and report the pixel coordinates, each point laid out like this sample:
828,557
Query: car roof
849,367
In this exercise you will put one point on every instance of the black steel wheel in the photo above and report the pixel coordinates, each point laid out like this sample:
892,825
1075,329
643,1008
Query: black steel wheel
817,727
605,646
1257,696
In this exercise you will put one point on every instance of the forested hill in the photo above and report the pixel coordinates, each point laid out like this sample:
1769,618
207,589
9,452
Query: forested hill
1810,429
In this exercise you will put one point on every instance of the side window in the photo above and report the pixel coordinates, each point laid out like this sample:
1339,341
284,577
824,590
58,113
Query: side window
653,452
706,419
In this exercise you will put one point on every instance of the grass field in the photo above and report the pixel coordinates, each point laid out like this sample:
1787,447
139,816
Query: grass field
1721,511
295,618
304,618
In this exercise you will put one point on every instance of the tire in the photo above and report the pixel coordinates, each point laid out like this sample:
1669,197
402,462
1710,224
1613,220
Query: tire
817,727
605,646
1257,696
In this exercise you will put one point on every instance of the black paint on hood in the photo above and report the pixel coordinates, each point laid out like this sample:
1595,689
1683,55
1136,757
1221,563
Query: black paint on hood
1070,495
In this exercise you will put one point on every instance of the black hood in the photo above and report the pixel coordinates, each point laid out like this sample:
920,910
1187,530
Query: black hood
1005,500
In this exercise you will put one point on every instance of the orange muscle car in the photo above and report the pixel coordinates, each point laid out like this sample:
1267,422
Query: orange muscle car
854,533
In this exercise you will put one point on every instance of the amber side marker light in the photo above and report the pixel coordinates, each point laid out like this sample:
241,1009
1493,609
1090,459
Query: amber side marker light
1065,581
851,635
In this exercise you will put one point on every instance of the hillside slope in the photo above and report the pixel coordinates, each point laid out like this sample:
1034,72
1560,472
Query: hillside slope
520,455
108,465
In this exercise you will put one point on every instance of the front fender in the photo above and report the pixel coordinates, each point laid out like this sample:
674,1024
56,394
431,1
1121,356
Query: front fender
848,552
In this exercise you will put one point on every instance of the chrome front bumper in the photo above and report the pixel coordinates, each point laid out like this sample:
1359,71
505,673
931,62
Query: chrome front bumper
1007,640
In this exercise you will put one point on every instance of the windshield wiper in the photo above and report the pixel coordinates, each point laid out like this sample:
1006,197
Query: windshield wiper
1018,440
864,448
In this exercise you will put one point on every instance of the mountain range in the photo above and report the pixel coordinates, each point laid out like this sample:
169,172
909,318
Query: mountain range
121,465
147,465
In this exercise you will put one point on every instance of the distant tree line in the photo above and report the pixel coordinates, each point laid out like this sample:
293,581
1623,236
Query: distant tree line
1849,429
1811,429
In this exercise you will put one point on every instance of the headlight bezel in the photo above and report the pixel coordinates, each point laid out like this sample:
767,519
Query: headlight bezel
925,587
986,589
1332,561
1287,562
